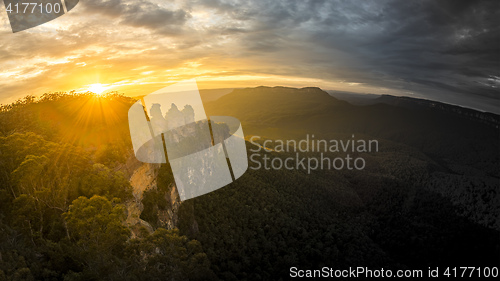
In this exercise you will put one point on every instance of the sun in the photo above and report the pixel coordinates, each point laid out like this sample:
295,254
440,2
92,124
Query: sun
97,88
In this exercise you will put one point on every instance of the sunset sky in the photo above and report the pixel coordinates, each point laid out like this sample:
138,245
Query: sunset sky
440,50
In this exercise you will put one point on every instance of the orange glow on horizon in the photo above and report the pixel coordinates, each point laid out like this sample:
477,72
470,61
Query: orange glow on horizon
97,88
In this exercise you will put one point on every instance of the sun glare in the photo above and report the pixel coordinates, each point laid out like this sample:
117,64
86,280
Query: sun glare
97,88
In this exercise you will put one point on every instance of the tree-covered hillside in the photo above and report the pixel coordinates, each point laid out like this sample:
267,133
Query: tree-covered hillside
429,196
62,195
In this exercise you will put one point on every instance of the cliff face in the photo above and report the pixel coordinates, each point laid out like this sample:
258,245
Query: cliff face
156,200
143,178
169,218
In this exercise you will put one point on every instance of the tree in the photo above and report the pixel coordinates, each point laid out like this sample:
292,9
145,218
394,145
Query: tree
28,216
105,182
167,255
95,225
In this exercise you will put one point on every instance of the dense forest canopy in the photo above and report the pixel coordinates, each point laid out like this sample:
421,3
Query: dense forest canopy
62,195
65,193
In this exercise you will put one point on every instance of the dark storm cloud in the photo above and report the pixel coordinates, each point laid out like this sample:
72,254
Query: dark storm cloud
440,50
446,50
442,41
140,13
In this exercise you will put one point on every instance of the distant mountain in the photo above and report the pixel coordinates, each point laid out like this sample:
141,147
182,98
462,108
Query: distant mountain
353,98
462,141
276,107
208,95
412,103
429,196
431,126
488,118
213,94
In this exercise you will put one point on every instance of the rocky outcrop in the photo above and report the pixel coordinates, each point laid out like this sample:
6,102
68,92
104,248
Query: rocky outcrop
143,178
169,217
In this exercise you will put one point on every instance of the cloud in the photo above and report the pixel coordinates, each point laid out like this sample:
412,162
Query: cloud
140,13
440,50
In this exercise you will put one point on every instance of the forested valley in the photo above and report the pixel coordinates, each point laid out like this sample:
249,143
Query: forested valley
65,185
